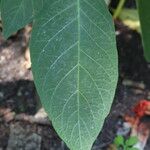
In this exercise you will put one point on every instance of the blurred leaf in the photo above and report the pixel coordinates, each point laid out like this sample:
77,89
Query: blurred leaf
75,67
144,14
130,18
133,148
131,141
119,141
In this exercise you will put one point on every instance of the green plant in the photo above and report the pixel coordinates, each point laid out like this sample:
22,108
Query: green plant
74,61
123,144
119,9
143,8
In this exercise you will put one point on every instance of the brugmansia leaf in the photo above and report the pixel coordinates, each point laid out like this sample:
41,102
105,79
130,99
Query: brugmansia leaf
15,15
37,6
18,13
143,8
0,5
74,63
0,9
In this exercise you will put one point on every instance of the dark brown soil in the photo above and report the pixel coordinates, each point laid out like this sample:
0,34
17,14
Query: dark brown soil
18,93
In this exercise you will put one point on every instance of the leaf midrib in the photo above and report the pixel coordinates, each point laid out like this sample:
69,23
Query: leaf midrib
78,81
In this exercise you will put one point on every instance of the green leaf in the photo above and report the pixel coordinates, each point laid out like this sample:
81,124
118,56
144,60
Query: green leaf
143,8
133,148
74,63
0,9
15,15
37,6
131,141
130,18
18,13
119,141
0,5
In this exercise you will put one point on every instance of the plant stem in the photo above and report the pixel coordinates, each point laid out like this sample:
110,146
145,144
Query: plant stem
119,8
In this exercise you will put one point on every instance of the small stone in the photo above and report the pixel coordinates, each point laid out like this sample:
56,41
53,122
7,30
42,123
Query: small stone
130,83
137,91
4,111
33,142
23,139
9,116
41,114
27,63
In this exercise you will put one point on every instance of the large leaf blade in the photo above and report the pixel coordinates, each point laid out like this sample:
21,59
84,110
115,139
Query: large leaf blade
18,13
74,63
144,15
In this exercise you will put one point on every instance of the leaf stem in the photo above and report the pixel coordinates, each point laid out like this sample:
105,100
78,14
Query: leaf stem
119,9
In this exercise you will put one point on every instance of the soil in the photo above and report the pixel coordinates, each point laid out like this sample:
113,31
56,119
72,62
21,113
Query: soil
18,94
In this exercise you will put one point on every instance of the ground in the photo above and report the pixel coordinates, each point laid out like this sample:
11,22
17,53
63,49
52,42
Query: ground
23,123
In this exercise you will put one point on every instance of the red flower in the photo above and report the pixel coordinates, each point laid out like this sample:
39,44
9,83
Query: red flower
142,108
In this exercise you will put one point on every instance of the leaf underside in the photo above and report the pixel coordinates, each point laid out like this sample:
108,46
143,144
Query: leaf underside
144,15
74,63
